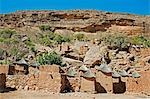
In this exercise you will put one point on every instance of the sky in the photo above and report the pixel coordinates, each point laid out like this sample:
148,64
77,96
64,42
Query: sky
141,7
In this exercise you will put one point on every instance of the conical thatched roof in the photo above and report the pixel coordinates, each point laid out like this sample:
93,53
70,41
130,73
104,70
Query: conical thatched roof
22,62
83,68
136,75
36,64
71,72
89,74
115,74
123,73
105,68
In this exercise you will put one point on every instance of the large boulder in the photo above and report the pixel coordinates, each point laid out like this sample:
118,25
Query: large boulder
64,31
94,55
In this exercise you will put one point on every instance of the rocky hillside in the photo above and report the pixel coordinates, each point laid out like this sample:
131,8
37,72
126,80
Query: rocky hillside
78,21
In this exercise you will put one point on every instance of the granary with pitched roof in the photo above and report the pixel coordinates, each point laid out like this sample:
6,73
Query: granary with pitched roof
21,67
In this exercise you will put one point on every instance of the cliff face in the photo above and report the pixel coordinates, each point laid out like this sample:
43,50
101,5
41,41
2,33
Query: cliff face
79,20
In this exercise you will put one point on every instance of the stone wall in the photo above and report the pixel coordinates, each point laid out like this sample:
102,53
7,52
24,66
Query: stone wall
140,85
49,78
4,69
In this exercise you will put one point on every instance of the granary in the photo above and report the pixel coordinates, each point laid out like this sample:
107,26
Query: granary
115,74
104,68
136,74
71,72
87,82
35,64
70,81
21,67
103,82
123,73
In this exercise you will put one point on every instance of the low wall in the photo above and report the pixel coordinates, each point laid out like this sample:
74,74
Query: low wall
138,85
4,69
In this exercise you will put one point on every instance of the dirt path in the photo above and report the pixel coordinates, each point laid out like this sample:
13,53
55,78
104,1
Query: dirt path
42,95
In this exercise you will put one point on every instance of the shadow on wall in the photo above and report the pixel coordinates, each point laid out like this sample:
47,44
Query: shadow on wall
11,70
65,85
120,87
3,87
7,89
99,88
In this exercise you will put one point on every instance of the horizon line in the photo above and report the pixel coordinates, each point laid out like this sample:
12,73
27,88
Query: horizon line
115,12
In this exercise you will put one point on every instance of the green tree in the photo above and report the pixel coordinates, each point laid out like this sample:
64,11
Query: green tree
49,58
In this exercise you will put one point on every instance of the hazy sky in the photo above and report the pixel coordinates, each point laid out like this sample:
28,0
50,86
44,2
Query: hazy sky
129,6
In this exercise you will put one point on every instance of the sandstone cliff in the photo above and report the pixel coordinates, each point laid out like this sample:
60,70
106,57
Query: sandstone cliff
78,21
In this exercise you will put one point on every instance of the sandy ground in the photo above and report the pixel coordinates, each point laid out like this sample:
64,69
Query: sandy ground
42,95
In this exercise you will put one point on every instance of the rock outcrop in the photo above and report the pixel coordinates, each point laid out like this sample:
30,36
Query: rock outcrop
78,20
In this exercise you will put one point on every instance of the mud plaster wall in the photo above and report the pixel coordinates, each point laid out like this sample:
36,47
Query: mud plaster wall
141,84
103,82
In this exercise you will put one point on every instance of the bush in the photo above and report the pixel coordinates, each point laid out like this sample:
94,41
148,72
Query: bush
60,38
44,27
140,40
80,37
49,58
46,41
116,41
7,33
50,38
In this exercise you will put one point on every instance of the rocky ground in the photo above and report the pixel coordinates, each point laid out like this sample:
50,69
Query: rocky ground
41,95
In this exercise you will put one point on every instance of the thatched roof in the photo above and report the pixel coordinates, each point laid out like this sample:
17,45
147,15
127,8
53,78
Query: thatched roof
83,68
104,68
35,64
71,72
89,74
123,73
115,74
136,75
21,62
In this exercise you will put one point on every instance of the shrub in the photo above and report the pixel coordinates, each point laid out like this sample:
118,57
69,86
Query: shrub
80,37
117,41
7,33
29,43
44,27
49,58
140,40
50,38
45,40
